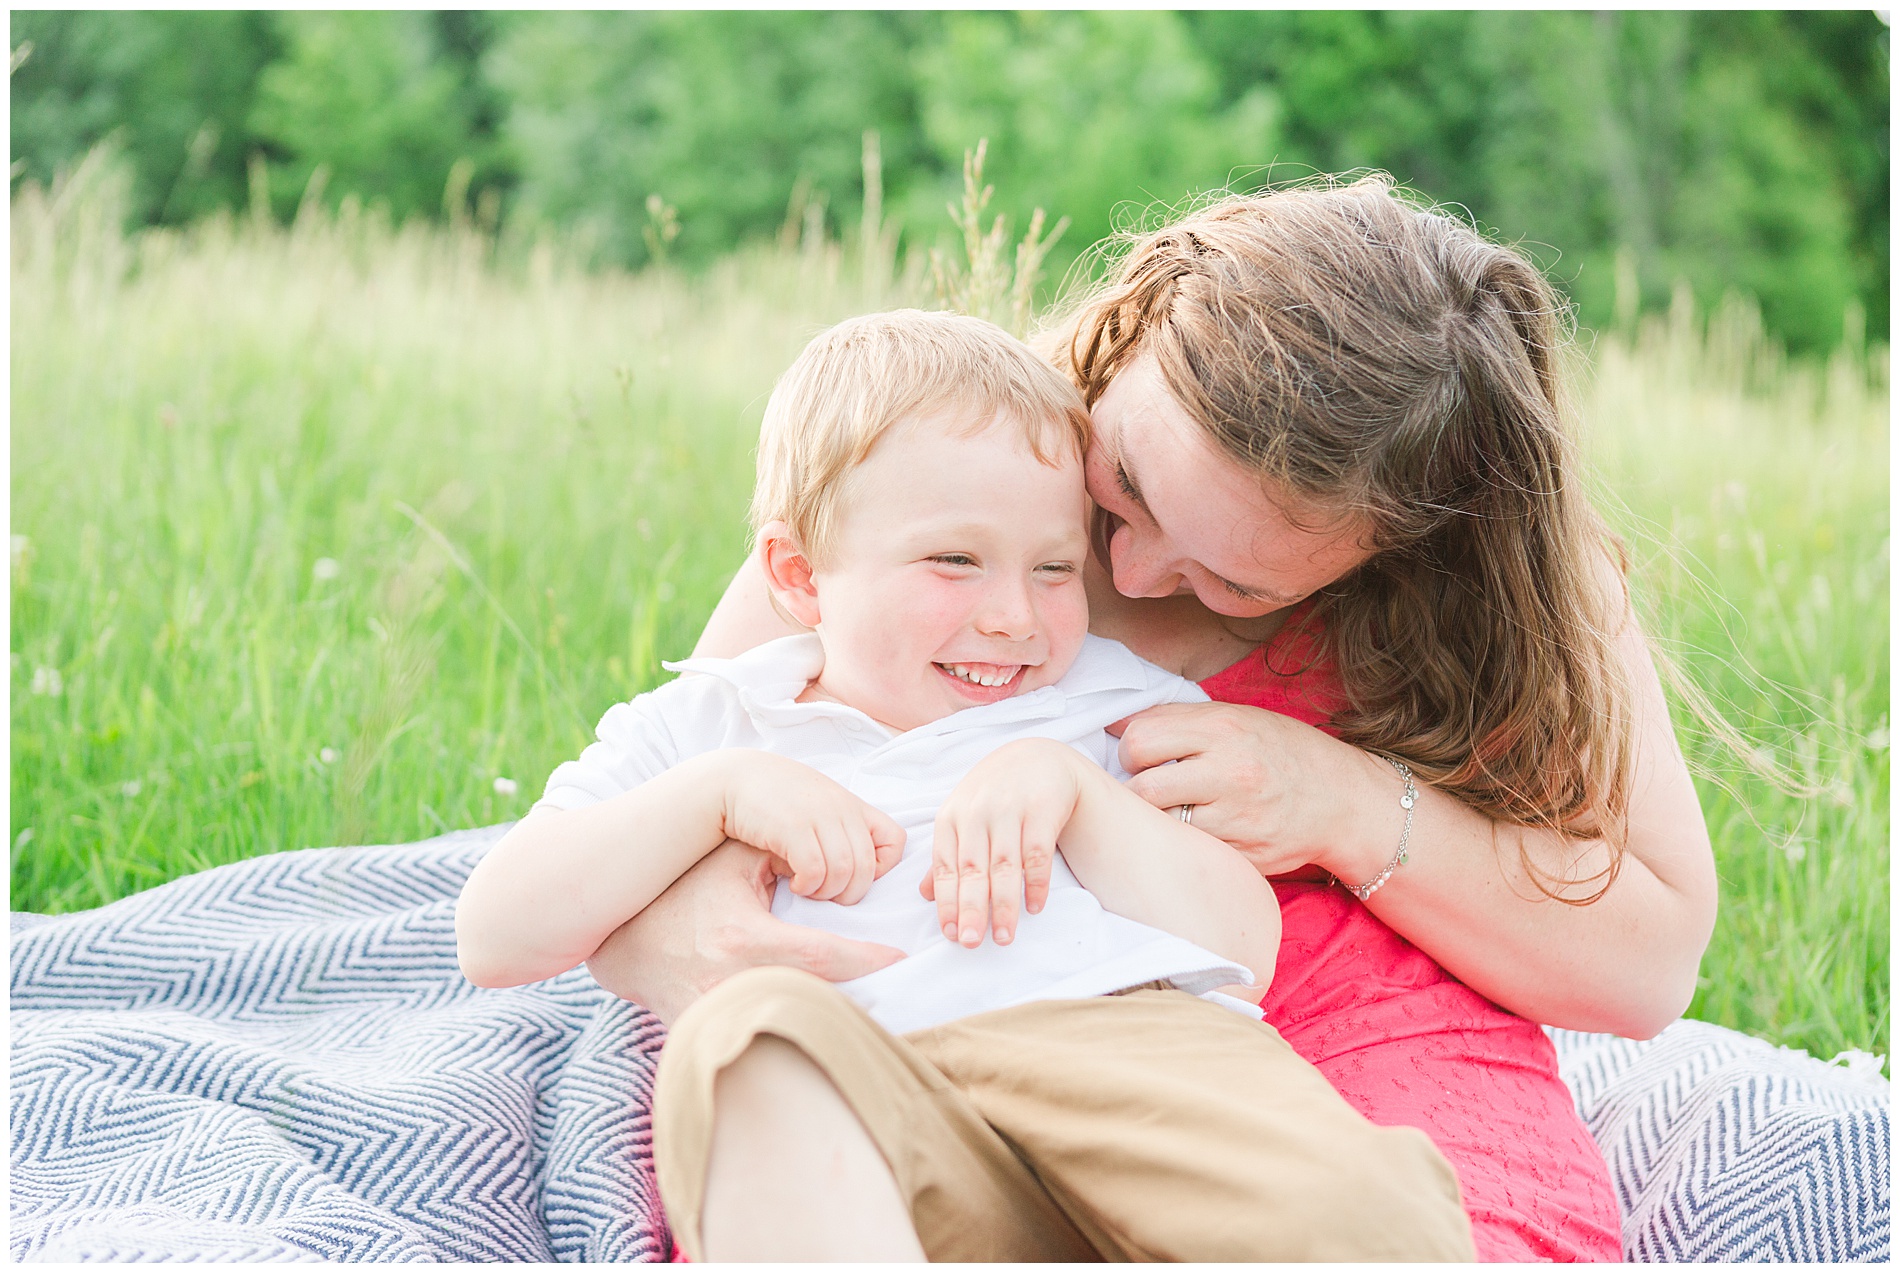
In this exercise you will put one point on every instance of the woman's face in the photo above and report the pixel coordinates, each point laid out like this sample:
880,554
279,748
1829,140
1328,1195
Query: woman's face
1175,516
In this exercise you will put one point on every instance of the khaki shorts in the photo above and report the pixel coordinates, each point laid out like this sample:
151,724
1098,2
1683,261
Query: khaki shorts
1151,1125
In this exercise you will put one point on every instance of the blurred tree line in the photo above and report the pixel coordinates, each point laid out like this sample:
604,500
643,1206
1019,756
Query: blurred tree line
1744,151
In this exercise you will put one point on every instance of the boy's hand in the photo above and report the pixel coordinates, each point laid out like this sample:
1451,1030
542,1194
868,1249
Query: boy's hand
832,844
996,838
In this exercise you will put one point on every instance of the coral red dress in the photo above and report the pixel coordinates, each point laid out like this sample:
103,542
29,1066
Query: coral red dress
1408,1044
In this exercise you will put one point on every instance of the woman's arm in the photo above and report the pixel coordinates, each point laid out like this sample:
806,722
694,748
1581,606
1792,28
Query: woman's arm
716,920
744,618
1287,795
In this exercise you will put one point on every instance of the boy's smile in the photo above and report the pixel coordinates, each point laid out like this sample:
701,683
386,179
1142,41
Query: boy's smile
984,675
955,578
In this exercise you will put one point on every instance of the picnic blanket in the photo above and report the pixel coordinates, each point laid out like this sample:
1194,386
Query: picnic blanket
279,1060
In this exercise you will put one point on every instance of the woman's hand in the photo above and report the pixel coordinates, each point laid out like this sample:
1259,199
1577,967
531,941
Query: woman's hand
714,921
1272,787
995,842
832,844
1478,895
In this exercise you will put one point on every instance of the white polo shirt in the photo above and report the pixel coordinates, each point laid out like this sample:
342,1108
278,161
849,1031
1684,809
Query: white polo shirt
1073,949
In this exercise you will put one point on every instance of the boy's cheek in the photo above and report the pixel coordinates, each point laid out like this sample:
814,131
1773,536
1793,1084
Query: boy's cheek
1067,623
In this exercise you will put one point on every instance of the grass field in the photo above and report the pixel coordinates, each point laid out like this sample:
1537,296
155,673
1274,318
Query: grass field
336,534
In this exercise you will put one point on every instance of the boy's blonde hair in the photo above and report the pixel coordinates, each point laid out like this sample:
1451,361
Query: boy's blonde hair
866,376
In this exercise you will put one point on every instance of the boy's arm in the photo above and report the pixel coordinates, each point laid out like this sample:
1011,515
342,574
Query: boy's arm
559,884
996,834
1148,865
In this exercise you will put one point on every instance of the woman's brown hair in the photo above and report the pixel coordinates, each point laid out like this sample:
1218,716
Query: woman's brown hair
1385,360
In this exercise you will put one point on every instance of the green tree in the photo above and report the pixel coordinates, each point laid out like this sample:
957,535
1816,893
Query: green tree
720,114
374,98
173,89
1094,116
1739,151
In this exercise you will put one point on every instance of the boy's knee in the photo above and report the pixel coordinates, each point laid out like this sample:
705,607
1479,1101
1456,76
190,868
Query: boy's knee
765,1000
1402,1198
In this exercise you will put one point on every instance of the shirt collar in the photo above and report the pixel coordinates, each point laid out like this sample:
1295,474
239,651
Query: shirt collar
769,678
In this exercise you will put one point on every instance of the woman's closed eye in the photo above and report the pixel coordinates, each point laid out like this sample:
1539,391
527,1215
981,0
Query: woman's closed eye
1245,594
1127,483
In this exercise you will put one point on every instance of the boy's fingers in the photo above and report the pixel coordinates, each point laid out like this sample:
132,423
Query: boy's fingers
863,861
834,863
1038,861
842,854
1006,886
887,839
943,884
973,888
806,863
859,864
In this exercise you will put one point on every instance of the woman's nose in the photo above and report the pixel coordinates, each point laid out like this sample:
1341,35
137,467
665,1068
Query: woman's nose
1140,564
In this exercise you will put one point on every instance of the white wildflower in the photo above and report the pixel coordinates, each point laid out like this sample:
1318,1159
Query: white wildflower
130,789
324,568
46,681
506,787
19,546
327,756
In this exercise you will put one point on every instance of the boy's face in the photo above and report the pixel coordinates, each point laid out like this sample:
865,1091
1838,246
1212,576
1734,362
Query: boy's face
956,575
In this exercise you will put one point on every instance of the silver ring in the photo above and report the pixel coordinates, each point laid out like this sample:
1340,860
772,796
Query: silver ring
1185,812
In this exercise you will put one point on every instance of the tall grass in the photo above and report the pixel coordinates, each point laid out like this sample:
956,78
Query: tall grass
341,533
1754,496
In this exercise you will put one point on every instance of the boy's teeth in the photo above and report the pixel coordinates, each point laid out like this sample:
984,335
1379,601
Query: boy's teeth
965,672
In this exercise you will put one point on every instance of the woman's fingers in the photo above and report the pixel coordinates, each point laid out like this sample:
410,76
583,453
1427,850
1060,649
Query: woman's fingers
1173,731
771,940
1192,781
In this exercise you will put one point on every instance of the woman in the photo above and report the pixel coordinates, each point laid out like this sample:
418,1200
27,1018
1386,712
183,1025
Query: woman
1334,485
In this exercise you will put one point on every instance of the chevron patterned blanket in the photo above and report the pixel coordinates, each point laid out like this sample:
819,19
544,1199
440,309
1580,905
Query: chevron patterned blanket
278,1060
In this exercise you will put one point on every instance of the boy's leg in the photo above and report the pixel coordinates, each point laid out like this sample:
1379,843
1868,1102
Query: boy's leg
1170,1128
793,1173
969,1196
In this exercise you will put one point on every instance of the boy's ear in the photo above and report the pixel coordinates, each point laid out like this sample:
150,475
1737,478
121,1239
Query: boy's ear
788,573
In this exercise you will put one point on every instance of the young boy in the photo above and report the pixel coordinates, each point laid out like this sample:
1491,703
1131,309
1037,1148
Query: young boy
1059,1091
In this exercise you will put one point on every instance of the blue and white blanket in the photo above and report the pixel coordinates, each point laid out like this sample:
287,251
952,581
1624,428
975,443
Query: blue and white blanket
279,1060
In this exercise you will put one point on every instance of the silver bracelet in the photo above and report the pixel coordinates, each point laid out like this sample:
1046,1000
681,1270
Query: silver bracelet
1406,801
